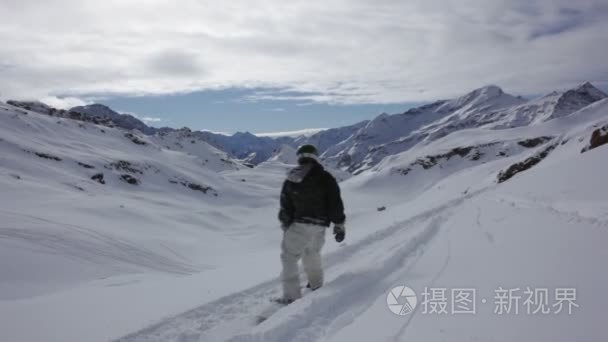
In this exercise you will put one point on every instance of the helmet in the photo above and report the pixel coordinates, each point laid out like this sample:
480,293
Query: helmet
307,152
308,148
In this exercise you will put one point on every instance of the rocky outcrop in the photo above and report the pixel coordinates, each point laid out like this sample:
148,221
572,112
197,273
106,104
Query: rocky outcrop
598,138
123,165
530,143
129,179
527,164
135,139
98,177
194,186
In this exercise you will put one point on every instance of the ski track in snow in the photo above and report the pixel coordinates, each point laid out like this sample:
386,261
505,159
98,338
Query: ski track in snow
568,216
399,335
320,314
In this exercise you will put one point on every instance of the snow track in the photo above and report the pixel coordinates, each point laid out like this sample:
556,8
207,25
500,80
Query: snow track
382,259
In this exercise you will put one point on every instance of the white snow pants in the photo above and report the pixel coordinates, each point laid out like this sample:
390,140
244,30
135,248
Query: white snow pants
301,241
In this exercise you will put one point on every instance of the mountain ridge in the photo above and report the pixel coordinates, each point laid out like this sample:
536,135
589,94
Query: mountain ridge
363,144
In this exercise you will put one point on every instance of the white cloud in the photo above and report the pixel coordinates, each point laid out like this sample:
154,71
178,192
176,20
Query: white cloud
342,51
294,134
149,119
63,102
145,119
217,132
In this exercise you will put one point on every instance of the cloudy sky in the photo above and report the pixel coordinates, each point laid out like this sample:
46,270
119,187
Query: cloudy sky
275,65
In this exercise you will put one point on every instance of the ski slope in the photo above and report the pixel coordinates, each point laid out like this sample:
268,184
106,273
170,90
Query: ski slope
525,240
159,261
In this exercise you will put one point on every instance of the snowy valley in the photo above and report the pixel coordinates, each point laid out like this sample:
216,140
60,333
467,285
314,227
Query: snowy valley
111,230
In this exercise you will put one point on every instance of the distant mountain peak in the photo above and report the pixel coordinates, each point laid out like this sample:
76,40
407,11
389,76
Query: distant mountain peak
488,92
484,96
245,134
95,109
584,92
35,106
590,89
491,89
125,121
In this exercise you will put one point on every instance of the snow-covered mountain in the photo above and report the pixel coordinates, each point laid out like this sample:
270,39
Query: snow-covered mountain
358,147
125,121
285,154
249,148
325,139
370,143
244,145
116,235
485,107
551,106
85,156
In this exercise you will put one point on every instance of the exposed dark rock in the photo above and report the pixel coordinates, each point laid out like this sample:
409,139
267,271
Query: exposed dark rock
524,165
382,208
430,161
198,187
46,156
477,155
598,138
404,172
86,166
124,165
194,186
99,178
460,151
129,179
345,160
533,142
135,139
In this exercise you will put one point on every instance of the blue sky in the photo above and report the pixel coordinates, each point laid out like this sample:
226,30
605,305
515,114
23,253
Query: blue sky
232,110
294,64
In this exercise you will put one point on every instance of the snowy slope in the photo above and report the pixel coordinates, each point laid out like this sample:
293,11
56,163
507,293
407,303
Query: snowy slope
245,146
61,179
373,142
541,229
327,138
485,107
125,121
554,105
284,154
161,261
186,141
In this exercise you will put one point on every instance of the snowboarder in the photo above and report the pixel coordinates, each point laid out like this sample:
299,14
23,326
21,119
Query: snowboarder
310,202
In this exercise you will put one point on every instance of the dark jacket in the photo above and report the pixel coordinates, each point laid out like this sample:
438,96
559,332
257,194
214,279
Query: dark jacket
311,195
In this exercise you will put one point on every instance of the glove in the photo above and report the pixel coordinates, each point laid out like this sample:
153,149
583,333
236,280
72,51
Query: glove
339,232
